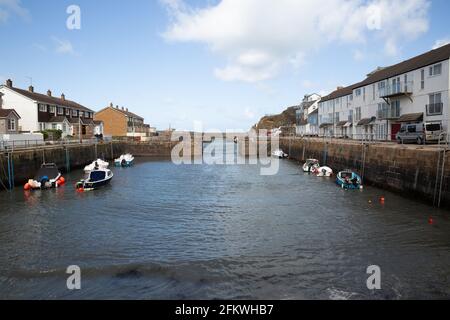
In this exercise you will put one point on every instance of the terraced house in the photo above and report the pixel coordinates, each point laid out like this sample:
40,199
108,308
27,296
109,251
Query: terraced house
41,112
412,91
119,122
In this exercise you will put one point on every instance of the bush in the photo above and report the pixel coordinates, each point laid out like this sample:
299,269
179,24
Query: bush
52,134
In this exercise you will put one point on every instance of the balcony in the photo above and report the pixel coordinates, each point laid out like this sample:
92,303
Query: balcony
389,113
435,109
397,89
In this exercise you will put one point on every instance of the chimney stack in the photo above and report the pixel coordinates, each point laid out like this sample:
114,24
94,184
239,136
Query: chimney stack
31,88
123,109
9,83
49,93
117,107
126,109
339,88
111,105
63,97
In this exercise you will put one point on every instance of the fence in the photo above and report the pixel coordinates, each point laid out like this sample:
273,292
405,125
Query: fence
12,145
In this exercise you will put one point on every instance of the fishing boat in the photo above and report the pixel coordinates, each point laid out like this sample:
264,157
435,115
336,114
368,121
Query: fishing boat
348,179
310,164
322,171
47,177
279,154
97,164
95,179
125,160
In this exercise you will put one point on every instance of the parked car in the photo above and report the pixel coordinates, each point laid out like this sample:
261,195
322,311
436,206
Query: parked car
421,133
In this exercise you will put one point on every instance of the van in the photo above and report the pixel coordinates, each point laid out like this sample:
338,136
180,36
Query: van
421,133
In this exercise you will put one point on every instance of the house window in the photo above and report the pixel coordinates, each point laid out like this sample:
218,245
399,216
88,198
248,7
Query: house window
436,70
52,109
435,107
373,92
54,127
364,94
358,114
64,127
67,112
358,92
81,114
74,113
42,108
41,126
422,79
60,110
350,116
12,124
336,117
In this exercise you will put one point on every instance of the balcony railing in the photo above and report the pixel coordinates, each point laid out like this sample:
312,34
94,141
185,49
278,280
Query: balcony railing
390,112
397,89
435,109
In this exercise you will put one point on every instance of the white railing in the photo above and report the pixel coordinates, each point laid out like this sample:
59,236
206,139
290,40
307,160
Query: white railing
399,87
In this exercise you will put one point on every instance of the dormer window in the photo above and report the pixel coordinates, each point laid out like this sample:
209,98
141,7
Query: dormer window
42,108
52,109
60,110
74,113
67,112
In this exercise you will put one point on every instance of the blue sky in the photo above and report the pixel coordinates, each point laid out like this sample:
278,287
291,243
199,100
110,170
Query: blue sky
224,63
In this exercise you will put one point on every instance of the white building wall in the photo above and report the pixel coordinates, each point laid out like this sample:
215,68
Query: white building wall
26,108
370,98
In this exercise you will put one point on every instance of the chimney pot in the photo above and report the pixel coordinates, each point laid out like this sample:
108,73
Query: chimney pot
49,93
31,88
126,109
9,83
123,109
63,96
111,105
117,107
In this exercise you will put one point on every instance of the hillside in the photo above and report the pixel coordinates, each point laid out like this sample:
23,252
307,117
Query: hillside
286,118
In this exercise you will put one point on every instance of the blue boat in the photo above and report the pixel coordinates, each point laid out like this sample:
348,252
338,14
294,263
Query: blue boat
97,178
349,180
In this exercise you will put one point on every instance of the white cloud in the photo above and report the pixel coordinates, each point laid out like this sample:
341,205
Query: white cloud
8,7
63,46
258,38
441,42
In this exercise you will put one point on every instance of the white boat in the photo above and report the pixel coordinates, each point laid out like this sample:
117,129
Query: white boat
279,154
125,160
322,171
97,164
310,164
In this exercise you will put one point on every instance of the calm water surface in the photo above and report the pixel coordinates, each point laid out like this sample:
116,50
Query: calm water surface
161,231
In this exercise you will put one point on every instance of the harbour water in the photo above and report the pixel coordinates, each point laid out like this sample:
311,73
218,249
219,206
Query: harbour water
162,231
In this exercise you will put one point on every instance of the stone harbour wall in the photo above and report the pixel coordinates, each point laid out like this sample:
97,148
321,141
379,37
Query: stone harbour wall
409,170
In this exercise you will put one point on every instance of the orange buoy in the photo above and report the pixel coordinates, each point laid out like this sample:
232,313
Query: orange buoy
382,199
430,220
26,187
62,180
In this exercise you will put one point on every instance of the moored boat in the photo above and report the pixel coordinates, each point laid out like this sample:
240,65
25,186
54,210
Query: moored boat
310,165
125,160
96,178
97,164
348,179
47,177
279,154
322,171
